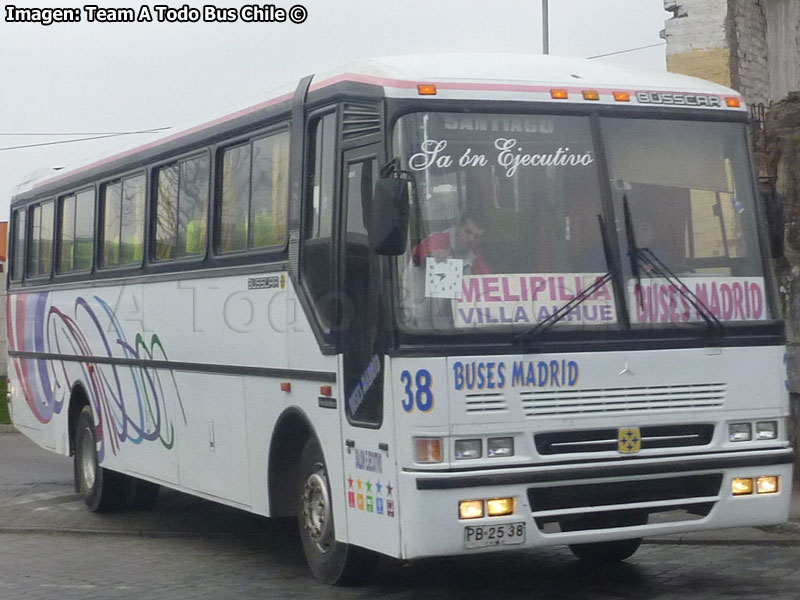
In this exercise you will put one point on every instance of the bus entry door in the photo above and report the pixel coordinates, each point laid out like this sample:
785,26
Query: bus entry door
369,456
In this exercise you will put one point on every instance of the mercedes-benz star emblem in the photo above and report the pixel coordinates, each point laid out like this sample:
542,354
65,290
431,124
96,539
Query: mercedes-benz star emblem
626,370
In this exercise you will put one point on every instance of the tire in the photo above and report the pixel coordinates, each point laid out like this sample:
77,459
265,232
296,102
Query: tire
101,489
606,553
140,494
330,561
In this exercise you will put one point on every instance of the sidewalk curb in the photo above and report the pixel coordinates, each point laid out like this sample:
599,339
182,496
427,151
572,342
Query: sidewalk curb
8,429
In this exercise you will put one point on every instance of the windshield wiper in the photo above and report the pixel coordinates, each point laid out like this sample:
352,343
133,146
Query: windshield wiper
656,265
584,295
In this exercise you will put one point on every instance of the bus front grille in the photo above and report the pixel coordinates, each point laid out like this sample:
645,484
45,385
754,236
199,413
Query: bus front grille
485,403
605,440
571,402
576,507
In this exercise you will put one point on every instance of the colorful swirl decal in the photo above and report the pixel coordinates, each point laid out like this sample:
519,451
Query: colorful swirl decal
130,401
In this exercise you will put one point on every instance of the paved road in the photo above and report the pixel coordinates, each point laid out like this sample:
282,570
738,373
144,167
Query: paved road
51,548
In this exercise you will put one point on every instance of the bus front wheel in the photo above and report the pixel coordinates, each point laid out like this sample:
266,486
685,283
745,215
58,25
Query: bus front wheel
330,561
100,488
605,553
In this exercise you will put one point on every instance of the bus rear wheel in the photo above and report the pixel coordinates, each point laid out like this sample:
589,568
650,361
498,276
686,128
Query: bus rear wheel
100,488
330,561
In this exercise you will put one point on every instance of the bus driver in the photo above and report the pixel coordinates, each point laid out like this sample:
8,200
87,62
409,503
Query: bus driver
463,241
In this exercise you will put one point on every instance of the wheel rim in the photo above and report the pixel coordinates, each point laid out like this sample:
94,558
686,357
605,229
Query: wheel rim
317,518
88,459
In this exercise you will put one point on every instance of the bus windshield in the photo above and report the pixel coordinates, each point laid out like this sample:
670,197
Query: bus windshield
505,227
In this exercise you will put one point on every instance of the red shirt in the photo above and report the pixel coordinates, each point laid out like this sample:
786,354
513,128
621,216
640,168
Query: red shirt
441,241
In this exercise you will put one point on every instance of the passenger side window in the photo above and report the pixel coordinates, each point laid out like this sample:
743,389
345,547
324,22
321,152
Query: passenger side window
254,194
122,225
18,249
40,250
76,240
182,209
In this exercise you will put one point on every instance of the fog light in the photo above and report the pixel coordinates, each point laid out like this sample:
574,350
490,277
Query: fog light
466,449
767,485
428,450
470,509
740,432
498,507
497,447
766,430
742,486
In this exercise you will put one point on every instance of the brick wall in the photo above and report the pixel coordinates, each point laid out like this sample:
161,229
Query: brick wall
697,39
750,45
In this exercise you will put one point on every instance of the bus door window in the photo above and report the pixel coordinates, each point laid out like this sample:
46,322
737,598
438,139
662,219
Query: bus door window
317,255
361,305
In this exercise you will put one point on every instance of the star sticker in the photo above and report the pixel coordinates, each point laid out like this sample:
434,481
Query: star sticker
378,487
389,489
358,483
369,486
349,482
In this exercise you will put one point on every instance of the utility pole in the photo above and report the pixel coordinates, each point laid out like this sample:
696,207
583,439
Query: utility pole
545,29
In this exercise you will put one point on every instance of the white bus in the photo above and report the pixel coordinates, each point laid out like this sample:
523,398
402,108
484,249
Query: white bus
431,305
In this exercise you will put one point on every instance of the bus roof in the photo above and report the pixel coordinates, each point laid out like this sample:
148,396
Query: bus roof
483,70
476,76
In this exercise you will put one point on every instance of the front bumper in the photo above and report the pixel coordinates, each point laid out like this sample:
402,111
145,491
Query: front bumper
606,500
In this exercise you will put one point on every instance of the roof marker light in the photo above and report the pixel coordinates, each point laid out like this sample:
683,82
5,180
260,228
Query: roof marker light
591,95
559,94
426,89
622,96
733,102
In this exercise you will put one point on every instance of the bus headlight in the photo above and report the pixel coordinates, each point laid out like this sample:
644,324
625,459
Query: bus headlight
498,507
742,486
740,432
428,450
466,449
498,447
766,430
470,509
767,485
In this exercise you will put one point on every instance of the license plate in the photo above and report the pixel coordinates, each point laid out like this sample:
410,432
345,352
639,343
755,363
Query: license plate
481,536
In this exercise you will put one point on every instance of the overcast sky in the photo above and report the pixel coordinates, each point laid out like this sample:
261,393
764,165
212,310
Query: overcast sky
110,77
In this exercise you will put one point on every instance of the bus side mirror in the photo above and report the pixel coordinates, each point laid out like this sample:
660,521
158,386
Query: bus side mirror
388,229
773,207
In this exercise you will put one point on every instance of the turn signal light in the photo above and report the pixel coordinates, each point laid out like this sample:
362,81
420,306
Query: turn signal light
622,96
742,486
591,95
559,94
426,89
470,509
498,507
428,450
767,485
733,102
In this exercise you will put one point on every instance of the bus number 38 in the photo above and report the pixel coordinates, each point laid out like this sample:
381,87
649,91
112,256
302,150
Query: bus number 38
418,390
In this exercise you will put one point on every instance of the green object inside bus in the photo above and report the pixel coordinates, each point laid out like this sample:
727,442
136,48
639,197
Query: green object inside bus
5,418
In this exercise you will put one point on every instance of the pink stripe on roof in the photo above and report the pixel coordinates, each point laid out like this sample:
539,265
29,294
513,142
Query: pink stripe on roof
173,137
483,86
